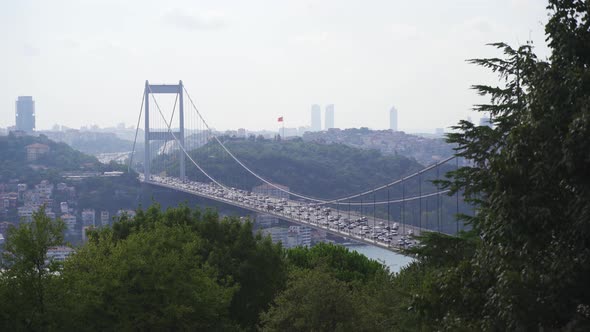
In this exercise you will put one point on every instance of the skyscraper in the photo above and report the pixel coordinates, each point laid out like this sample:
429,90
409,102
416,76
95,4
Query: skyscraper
25,114
316,117
393,119
329,117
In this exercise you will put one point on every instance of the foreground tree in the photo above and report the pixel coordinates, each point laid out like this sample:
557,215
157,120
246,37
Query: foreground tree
28,282
153,280
531,184
314,301
178,269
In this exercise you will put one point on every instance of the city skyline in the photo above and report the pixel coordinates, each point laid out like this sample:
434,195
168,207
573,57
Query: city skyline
246,64
329,117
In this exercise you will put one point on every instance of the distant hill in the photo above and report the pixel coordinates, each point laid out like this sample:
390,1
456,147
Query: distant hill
55,159
15,164
324,171
91,142
321,170
425,150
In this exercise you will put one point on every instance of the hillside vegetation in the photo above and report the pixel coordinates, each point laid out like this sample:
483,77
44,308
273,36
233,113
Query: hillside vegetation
320,170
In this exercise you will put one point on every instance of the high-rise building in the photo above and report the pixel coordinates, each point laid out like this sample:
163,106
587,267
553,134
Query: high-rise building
393,119
316,117
25,114
329,117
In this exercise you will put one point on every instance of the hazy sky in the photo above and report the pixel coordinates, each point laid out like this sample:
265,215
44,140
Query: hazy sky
247,62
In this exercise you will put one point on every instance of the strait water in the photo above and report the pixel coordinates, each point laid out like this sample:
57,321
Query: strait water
390,259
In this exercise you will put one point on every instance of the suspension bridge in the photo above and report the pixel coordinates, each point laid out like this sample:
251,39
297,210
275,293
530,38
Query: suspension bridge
385,216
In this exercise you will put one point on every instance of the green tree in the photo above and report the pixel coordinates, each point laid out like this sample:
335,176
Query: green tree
314,301
27,283
531,184
152,280
252,266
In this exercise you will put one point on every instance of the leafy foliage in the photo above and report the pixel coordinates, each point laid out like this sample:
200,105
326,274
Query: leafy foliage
310,168
27,281
14,164
529,178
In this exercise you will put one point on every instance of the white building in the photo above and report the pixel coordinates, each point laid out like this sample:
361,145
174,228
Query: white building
25,213
89,217
59,253
266,220
128,213
63,206
70,221
299,236
277,234
104,218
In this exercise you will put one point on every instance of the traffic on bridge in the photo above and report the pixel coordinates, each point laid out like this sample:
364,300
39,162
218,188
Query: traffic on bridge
373,231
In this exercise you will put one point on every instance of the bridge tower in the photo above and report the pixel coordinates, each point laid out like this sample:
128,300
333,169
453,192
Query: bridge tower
166,135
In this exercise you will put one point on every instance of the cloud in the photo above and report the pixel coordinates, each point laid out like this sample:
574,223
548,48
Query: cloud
208,20
312,38
30,50
477,29
401,31
70,43
480,25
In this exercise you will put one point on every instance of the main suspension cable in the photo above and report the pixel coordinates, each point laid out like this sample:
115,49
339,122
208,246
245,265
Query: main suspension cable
181,146
136,131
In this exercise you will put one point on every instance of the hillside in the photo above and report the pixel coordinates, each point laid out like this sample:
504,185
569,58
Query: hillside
16,165
320,170
54,159
91,142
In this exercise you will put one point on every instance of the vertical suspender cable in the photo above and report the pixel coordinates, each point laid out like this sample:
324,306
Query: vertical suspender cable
136,131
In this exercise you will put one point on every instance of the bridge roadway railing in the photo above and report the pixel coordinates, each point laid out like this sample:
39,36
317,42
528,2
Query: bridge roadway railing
335,231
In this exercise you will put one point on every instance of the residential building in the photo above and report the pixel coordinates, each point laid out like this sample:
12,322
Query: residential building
25,114
129,213
70,221
36,150
329,117
59,253
25,213
277,234
88,217
63,206
316,118
104,218
266,220
299,236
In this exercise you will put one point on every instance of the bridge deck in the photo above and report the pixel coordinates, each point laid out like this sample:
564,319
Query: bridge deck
339,231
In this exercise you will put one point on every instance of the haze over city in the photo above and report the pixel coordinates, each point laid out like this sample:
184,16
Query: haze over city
247,63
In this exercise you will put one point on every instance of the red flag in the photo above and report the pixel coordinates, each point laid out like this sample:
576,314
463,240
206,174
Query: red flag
280,119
